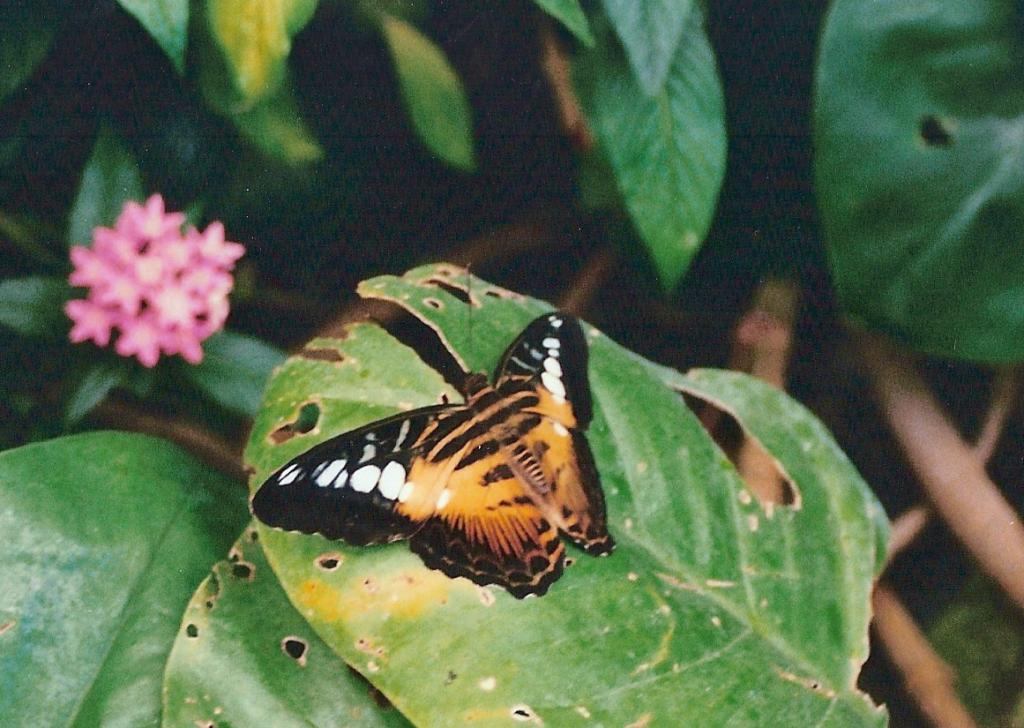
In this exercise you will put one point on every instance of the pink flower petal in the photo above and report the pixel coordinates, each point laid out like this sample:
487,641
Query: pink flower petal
140,337
92,322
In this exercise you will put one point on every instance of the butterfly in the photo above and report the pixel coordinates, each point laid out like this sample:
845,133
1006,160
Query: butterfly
480,489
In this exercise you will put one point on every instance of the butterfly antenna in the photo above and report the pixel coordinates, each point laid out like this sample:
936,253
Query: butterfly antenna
469,295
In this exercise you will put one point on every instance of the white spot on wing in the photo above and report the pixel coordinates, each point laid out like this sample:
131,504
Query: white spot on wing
330,472
551,343
559,428
406,492
341,480
391,480
365,478
402,433
442,500
289,474
369,452
553,384
556,322
553,366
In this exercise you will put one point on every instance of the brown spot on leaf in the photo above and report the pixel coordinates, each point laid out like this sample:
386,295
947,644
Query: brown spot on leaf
322,354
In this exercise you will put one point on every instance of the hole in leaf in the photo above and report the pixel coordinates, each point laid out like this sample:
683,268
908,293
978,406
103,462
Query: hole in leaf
192,631
433,303
523,713
935,131
762,473
422,339
305,421
329,562
243,570
450,677
458,292
569,561
295,648
322,354
254,535
378,697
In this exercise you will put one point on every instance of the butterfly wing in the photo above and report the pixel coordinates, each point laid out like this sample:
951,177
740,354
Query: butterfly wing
351,487
575,501
550,356
487,529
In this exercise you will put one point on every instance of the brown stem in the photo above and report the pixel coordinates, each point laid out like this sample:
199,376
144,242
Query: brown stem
905,530
951,474
928,679
1004,395
762,341
555,66
589,282
215,451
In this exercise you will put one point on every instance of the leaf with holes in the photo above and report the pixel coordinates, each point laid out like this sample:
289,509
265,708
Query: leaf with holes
919,133
245,657
713,609
105,537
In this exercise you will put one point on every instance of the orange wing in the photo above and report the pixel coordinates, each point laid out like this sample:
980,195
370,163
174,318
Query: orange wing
487,528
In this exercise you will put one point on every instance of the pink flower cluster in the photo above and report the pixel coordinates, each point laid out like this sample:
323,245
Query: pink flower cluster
161,291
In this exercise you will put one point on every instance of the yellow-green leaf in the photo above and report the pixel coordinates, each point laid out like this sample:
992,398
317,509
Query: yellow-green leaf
255,38
432,92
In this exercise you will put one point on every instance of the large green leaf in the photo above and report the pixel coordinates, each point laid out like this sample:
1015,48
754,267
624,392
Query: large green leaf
432,92
105,536
651,31
167,22
919,131
26,31
111,178
231,665
668,150
712,610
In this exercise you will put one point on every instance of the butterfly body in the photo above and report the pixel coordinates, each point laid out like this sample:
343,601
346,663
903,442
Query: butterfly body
480,489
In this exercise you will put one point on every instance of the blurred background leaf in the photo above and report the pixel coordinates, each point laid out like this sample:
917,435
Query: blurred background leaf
432,92
111,178
255,39
919,127
26,31
34,306
234,370
651,32
167,22
667,150
107,535
571,15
